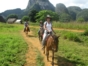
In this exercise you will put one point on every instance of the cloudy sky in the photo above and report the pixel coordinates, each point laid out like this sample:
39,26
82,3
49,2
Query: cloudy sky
11,4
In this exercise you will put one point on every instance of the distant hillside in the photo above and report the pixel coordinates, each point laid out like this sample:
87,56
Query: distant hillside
61,8
17,11
39,5
73,11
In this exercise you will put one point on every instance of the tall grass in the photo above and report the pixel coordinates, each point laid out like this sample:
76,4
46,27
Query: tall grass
70,25
67,25
12,46
71,53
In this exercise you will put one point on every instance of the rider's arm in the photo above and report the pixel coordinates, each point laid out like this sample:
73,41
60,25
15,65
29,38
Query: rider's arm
53,31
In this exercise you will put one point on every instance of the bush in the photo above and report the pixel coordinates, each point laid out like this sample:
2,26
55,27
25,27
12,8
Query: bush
80,20
25,18
72,37
86,32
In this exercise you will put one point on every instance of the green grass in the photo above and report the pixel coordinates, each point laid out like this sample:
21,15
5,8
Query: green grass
12,46
69,25
39,59
71,52
85,32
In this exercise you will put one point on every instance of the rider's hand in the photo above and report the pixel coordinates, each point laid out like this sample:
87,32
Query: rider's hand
49,31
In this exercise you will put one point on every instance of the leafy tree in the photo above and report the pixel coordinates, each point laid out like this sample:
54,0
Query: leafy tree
32,15
42,15
80,19
12,16
65,17
25,18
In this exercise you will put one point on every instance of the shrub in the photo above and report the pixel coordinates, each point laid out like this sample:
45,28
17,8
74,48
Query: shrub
25,18
80,20
85,33
72,37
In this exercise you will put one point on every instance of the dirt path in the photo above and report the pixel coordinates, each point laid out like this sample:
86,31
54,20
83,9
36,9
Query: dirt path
35,42
31,55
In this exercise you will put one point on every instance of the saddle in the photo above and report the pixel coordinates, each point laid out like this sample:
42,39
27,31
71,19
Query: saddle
49,34
27,29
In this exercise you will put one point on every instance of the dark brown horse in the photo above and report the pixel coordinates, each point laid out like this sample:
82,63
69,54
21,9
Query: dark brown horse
41,33
26,30
51,44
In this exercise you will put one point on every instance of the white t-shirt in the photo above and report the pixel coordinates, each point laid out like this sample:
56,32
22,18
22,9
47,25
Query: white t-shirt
48,26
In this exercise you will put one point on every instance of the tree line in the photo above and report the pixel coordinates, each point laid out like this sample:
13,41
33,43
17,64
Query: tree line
61,14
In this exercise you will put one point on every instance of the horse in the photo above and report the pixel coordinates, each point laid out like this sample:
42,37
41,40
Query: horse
26,30
51,44
40,34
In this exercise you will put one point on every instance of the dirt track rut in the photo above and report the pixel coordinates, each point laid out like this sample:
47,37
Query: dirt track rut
35,44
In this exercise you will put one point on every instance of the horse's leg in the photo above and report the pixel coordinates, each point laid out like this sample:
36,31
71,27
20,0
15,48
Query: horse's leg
41,38
47,54
52,57
43,50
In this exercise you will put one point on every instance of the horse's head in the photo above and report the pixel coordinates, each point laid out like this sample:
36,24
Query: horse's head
56,42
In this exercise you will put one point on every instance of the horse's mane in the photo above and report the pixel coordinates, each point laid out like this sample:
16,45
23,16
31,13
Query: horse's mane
55,38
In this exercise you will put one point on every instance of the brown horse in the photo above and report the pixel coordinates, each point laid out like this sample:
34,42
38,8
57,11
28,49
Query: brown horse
41,33
26,30
51,44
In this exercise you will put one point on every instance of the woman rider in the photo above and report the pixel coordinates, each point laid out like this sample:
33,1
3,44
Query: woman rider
47,29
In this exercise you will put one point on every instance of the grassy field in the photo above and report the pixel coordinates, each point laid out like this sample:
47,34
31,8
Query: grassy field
12,46
71,53
70,25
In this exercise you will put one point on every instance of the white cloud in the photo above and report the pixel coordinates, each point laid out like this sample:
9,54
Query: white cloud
80,3
11,4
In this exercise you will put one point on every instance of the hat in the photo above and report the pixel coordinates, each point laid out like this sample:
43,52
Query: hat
48,16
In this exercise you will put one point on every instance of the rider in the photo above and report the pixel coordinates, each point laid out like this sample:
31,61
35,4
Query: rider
41,26
47,29
26,24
